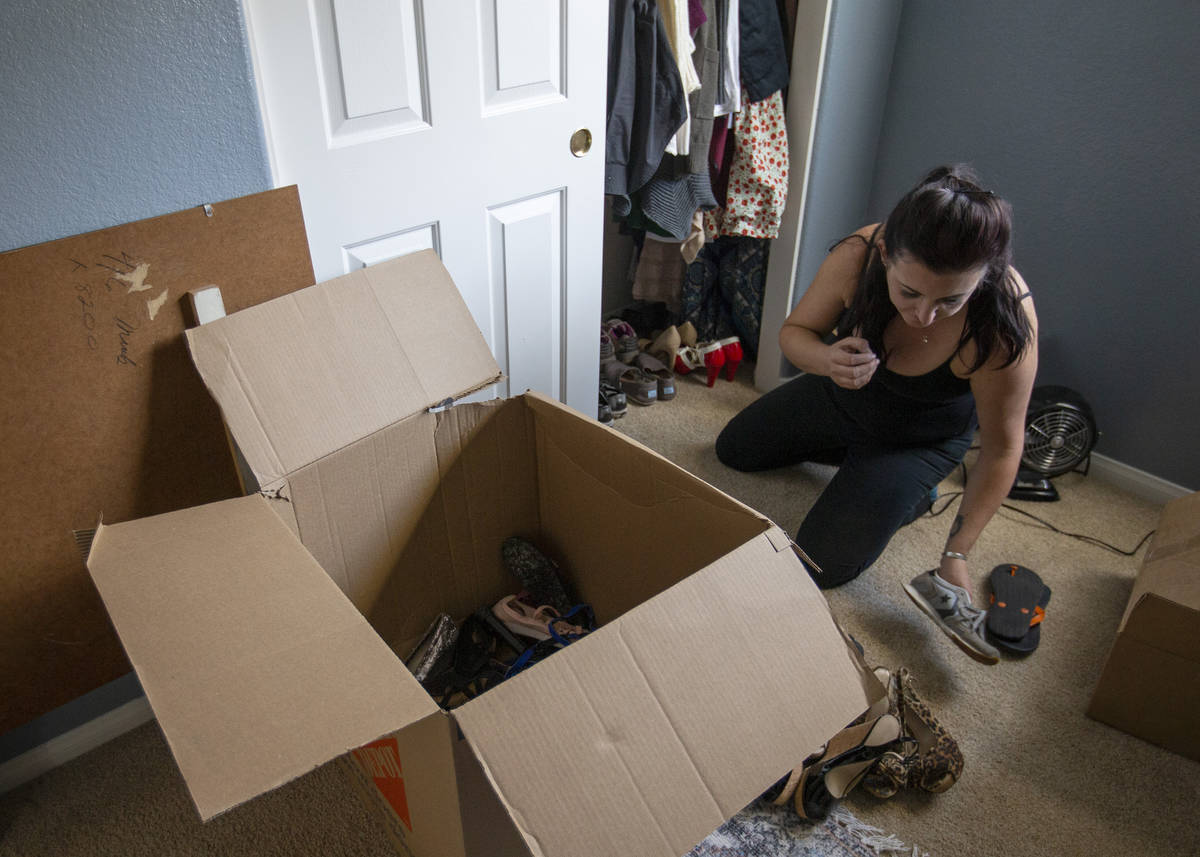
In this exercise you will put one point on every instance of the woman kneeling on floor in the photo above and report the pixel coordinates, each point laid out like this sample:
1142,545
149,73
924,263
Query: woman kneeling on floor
914,333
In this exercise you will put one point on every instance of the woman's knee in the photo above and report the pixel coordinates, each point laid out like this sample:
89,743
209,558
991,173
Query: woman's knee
741,448
833,574
730,451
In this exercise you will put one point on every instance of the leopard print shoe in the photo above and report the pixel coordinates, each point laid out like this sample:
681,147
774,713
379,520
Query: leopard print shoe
938,762
890,774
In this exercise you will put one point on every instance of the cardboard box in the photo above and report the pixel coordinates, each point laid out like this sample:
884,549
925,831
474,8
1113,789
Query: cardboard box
1150,685
265,629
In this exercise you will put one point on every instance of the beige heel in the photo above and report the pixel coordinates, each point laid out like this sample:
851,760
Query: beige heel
665,346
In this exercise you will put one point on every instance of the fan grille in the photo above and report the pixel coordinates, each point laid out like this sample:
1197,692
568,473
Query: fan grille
1057,440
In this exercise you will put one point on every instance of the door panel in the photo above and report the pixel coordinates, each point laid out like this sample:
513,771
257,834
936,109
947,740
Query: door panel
447,124
526,251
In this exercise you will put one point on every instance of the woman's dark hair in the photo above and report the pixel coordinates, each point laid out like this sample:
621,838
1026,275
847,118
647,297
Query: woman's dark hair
949,224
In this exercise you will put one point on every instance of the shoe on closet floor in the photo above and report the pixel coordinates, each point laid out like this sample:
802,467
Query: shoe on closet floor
687,360
665,345
604,411
607,349
731,347
632,381
615,399
950,608
624,339
657,370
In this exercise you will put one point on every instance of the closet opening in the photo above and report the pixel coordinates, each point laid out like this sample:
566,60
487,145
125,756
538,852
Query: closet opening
710,128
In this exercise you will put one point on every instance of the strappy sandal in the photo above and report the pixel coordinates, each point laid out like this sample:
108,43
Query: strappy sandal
537,623
558,639
688,360
474,665
846,760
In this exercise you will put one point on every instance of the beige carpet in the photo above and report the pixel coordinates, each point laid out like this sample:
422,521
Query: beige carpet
1040,778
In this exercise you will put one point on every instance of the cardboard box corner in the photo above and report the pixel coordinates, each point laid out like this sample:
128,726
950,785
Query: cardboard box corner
1150,682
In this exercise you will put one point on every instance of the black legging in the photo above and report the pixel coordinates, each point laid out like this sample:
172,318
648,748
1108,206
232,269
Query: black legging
878,485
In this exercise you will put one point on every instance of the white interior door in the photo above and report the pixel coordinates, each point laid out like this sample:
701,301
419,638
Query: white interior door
448,124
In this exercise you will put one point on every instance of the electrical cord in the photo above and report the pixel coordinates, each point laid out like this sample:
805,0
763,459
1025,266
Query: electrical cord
1092,540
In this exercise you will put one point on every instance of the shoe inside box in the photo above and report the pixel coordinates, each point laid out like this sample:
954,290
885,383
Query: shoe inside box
410,521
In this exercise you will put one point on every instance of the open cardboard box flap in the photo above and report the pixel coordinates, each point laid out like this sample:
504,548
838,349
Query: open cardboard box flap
256,665
646,734
302,376
651,731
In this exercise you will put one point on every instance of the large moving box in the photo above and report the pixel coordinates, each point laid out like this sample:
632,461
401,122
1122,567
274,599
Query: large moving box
266,629
1150,685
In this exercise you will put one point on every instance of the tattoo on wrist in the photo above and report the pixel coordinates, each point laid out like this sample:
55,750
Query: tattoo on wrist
956,526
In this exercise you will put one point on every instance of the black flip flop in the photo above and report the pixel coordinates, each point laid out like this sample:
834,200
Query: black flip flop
1015,594
1030,641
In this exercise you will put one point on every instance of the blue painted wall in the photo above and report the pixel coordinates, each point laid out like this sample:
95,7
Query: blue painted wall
117,110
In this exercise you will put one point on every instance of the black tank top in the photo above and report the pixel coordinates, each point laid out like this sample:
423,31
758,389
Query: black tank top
903,410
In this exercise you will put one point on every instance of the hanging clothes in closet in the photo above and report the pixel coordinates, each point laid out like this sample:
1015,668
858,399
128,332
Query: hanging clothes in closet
697,153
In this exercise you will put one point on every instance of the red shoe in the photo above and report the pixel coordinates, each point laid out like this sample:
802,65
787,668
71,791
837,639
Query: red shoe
714,359
732,347
687,359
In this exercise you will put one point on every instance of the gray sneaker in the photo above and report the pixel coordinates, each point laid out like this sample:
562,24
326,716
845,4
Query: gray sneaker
950,607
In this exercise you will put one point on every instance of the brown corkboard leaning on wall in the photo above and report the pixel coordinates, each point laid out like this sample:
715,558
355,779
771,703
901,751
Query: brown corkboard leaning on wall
104,414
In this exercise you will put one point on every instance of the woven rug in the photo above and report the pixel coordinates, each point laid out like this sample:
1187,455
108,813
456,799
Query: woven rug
765,830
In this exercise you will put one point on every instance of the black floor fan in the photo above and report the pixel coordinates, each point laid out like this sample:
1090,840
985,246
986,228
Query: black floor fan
1060,432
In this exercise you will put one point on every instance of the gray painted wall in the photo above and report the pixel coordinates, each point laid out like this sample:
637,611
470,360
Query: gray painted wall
117,110
1086,121
1085,117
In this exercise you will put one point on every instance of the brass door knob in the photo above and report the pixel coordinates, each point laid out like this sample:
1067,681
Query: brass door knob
581,142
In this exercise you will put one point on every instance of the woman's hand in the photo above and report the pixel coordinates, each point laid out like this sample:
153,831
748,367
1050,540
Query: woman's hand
851,362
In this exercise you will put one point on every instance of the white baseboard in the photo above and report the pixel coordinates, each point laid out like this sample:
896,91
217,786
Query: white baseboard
1137,482
63,748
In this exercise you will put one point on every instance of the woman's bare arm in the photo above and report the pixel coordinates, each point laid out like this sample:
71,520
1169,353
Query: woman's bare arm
849,362
1001,400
